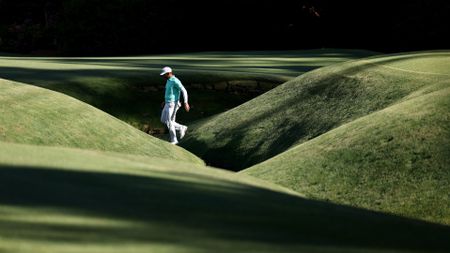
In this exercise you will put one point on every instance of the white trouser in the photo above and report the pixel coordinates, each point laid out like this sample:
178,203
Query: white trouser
168,116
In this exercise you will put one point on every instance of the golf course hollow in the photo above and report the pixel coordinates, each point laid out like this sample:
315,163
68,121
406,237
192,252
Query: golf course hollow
348,157
333,132
130,88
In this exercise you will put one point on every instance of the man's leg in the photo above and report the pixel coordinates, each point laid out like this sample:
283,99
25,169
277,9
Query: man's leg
181,128
177,126
166,119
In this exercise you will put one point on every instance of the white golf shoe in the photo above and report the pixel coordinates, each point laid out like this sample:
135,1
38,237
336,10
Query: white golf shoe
183,132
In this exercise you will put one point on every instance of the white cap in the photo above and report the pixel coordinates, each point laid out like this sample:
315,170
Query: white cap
166,70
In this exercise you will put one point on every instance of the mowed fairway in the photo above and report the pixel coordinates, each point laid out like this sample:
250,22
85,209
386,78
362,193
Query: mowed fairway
395,162
76,179
130,87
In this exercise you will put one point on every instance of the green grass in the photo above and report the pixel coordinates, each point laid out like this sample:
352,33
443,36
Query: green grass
313,104
125,86
395,160
55,199
123,198
400,165
37,116
76,179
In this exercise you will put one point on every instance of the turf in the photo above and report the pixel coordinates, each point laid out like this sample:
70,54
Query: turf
75,179
37,116
395,163
395,160
313,104
55,199
130,87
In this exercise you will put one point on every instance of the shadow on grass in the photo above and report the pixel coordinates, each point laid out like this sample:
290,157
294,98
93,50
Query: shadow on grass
122,93
232,61
190,210
298,113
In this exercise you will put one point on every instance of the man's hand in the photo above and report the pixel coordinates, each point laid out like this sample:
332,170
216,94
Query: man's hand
187,107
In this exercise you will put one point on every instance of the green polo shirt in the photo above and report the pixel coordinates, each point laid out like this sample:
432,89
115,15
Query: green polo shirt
173,89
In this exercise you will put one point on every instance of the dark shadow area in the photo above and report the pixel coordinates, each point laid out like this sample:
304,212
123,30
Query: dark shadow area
240,64
176,211
79,27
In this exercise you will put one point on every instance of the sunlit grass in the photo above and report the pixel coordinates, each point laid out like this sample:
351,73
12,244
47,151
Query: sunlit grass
302,110
395,160
75,179
32,115
115,84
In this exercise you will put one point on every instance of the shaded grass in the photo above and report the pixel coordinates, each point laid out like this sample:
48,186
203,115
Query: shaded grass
151,196
117,84
395,160
117,203
311,105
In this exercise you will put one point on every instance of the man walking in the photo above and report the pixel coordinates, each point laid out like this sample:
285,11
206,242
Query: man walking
172,103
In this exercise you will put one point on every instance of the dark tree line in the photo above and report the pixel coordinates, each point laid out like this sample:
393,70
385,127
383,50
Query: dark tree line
114,27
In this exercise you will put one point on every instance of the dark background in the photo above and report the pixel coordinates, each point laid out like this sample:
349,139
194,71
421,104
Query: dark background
120,27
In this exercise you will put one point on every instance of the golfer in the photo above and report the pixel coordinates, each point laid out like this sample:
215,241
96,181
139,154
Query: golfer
172,103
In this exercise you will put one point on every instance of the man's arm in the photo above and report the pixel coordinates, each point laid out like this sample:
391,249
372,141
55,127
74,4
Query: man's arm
185,96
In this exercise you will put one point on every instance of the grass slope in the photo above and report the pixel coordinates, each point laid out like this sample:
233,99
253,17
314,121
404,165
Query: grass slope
126,86
33,115
313,104
74,179
395,160
56,199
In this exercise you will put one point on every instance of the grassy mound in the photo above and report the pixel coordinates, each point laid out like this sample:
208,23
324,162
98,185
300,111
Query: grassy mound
75,179
56,199
314,104
32,115
130,87
395,160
